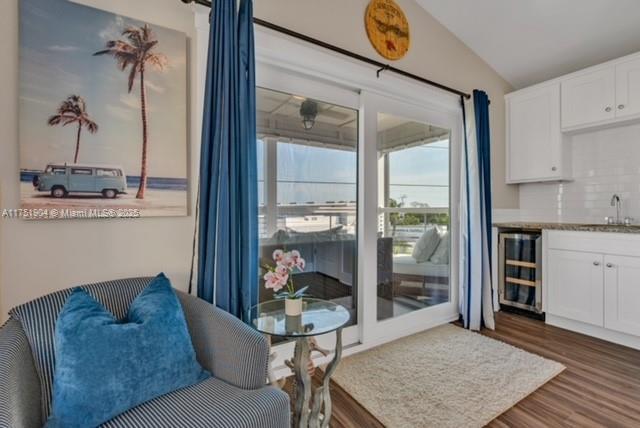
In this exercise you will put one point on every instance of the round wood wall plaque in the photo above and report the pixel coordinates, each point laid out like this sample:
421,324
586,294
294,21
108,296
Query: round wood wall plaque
387,28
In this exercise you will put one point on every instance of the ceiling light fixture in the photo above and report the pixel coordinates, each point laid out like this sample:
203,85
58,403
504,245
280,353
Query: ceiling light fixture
308,113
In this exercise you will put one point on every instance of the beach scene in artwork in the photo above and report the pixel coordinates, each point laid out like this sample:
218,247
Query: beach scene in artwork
103,111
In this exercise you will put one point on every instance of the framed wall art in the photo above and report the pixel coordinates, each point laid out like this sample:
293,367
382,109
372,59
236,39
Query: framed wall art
103,113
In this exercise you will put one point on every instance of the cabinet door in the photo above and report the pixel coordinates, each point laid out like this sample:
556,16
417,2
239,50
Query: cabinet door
575,286
588,98
628,88
622,294
533,134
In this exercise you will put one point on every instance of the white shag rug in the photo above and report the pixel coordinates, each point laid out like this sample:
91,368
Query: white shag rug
444,377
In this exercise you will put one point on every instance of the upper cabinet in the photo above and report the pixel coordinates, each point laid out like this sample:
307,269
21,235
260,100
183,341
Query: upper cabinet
540,118
607,95
534,140
628,88
589,98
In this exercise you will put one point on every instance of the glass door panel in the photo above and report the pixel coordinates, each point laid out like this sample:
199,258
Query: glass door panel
308,192
521,269
413,245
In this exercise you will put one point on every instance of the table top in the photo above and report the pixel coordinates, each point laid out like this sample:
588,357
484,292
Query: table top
318,317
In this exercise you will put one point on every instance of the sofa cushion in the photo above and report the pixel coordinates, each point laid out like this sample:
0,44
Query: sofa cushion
105,367
441,254
426,245
38,318
211,403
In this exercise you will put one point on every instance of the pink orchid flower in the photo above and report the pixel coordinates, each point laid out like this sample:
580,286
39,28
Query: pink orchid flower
288,261
273,281
282,270
278,255
279,276
283,279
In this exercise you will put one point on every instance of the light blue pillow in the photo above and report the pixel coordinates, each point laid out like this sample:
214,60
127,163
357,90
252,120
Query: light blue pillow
105,366
426,245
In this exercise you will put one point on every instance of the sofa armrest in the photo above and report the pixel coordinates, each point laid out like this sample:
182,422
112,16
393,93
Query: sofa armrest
228,348
20,390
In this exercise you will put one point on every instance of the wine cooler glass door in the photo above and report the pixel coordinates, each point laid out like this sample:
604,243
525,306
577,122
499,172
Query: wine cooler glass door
520,271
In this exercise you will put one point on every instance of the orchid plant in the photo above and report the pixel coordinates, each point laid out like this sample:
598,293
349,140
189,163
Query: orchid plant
281,275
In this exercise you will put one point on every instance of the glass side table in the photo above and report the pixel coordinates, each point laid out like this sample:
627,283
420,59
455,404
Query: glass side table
318,317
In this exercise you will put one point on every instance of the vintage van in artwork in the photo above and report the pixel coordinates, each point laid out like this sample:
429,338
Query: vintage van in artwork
62,179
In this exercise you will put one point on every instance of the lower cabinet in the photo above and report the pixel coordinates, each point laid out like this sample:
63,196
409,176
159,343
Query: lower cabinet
599,289
622,294
575,286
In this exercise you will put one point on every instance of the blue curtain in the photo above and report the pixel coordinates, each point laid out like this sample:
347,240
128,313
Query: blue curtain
483,137
476,288
228,199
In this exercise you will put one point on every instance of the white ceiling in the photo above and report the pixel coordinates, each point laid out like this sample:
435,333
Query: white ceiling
529,41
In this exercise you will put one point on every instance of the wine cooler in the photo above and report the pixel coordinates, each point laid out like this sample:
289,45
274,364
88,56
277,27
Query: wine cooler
520,270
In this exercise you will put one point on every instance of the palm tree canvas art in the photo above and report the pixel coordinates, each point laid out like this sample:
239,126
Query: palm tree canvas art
136,55
73,110
103,112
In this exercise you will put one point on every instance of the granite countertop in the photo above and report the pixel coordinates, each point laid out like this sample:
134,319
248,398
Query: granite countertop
579,227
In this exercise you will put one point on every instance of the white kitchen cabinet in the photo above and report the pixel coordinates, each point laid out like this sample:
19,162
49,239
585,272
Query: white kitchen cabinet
541,119
534,138
575,286
591,283
589,98
628,88
622,294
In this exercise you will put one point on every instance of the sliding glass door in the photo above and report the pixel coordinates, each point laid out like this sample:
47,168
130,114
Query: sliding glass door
414,217
363,186
308,190
409,153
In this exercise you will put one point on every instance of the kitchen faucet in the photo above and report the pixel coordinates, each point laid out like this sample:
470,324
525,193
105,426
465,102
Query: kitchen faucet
615,202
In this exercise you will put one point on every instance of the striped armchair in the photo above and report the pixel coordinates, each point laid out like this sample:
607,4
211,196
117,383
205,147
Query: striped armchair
236,355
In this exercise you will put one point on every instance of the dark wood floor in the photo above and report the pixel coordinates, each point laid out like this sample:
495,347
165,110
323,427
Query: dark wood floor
599,388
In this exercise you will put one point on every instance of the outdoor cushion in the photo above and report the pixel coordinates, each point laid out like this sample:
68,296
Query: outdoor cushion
426,245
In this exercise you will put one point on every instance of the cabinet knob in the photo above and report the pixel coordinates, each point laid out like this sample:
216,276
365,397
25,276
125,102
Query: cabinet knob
608,109
609,265
596,263
620,107
553,168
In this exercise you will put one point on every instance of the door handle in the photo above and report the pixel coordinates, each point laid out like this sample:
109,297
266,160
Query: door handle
609,265
596,263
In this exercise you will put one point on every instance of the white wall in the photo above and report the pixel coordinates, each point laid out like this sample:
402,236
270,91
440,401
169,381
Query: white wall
37,257
604,162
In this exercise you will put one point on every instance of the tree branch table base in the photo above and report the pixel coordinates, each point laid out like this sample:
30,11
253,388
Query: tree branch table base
313,405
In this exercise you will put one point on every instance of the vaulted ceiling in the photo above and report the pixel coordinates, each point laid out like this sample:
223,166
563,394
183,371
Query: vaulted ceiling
529,41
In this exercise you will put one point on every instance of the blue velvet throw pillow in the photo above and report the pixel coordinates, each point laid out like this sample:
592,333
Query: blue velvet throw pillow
105,366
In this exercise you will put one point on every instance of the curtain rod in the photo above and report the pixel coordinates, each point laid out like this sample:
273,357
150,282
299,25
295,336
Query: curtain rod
381,66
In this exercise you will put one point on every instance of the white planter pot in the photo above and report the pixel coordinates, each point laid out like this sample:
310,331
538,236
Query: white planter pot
293,307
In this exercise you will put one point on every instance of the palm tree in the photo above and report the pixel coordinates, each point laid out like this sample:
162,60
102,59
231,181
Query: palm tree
136,53
74,110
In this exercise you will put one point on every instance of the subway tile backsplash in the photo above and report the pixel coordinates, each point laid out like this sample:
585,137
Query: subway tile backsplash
604,162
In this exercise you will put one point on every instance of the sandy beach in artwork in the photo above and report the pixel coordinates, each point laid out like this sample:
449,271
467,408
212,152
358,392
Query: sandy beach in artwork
157,202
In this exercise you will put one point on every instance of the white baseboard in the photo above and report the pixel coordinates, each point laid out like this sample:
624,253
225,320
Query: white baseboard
594,331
